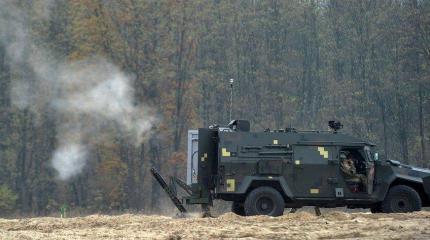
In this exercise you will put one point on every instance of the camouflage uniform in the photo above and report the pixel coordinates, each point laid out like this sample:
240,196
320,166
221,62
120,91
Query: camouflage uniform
348,168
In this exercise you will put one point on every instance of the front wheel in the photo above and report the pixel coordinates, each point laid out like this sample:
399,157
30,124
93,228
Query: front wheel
264,201
401,199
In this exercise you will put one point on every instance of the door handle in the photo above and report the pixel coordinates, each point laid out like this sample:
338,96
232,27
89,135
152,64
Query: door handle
287,161
332,180
333,161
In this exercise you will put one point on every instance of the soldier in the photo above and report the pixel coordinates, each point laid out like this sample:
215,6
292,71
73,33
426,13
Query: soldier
347,166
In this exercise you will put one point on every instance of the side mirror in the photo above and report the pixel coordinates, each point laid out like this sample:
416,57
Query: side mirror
376,157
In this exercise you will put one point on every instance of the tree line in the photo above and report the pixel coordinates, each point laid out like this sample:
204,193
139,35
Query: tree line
295,63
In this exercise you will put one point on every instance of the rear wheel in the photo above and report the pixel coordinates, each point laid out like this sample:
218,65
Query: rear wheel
237,208
401,199
264,201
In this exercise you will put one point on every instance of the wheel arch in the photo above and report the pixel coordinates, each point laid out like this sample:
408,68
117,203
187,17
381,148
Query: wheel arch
416,185
268,183
250,183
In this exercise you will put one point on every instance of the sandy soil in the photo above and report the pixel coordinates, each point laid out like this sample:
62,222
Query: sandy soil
300,225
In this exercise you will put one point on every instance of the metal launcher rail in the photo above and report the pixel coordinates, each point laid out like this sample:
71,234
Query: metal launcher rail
170,190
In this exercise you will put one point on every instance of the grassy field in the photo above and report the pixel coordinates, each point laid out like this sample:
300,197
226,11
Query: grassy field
301,225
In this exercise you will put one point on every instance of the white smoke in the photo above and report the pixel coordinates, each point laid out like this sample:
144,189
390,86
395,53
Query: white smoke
93,96
69,160
101,91
89,97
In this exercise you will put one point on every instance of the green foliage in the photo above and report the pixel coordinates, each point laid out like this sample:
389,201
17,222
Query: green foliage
7,198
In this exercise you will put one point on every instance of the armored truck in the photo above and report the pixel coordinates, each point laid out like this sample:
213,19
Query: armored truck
262,173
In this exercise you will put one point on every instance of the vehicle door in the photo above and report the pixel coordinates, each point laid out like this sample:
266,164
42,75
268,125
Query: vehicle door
315,171
354,187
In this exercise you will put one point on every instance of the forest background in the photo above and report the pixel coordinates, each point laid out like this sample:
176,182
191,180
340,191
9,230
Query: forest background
295,63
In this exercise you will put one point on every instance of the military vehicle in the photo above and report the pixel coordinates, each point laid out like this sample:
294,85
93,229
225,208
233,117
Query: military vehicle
262,173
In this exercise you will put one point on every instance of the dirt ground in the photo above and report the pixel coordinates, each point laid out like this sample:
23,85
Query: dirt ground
300,225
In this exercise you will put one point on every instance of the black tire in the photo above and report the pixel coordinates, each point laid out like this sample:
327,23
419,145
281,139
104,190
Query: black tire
264,201
237,208
401,199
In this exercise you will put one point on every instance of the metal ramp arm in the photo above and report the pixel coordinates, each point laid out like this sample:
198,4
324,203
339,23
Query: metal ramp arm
182,184
168,190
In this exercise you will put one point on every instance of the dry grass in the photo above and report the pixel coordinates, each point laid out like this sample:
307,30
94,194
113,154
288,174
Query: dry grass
301,225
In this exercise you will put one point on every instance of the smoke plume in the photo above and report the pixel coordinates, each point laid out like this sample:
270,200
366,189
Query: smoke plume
88,97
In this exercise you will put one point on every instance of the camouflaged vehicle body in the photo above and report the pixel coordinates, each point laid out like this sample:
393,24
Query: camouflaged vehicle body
303,166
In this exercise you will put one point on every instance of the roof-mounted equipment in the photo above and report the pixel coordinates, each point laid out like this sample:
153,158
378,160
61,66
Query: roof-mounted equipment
335,125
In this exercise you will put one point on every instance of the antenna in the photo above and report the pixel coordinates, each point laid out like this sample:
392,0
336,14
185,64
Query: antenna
231,96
